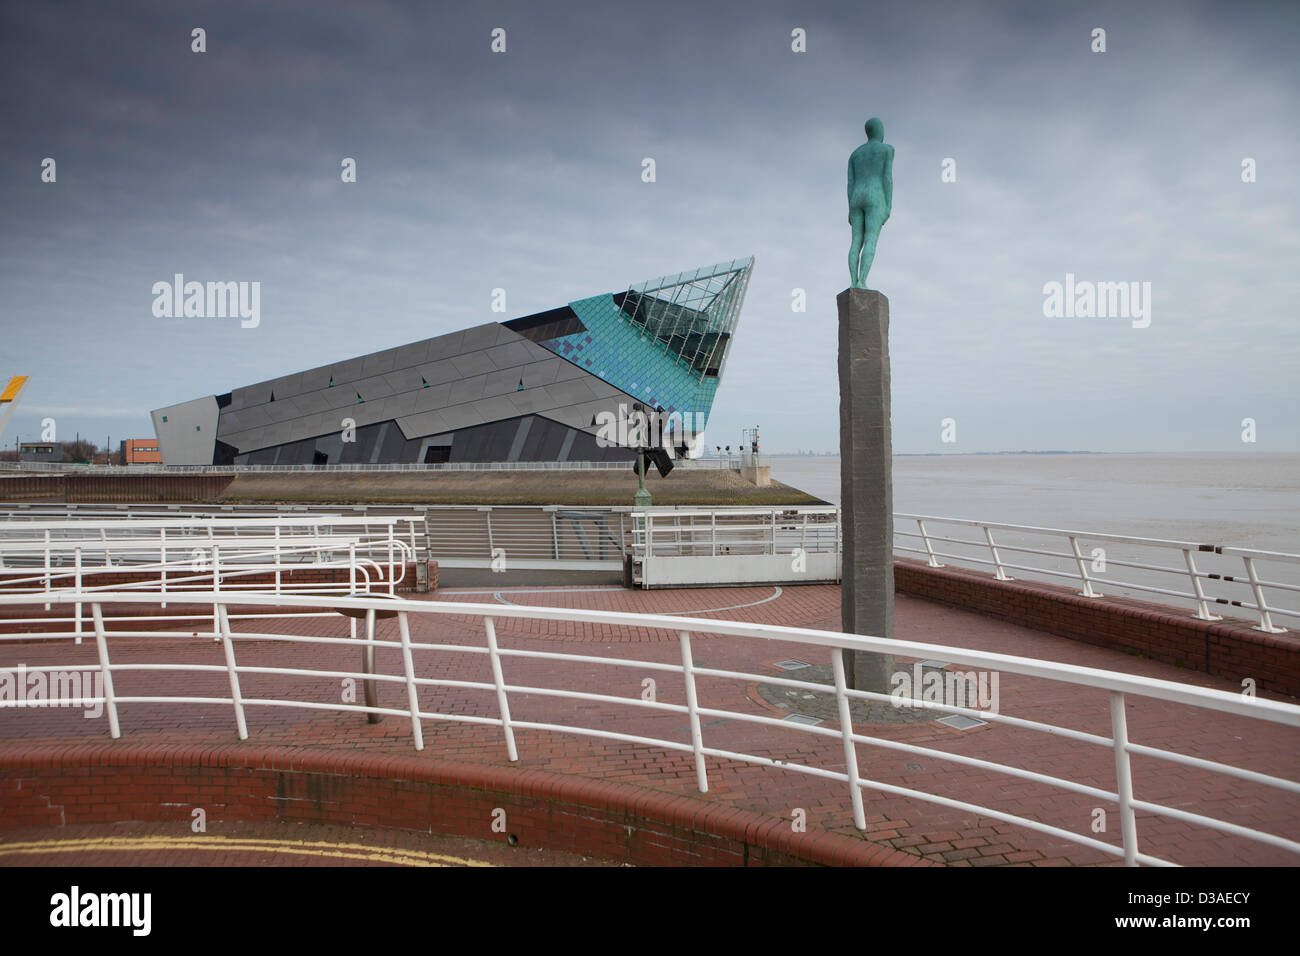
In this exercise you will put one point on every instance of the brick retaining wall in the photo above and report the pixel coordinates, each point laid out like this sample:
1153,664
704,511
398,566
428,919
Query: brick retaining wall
1229,648
63,785
125,488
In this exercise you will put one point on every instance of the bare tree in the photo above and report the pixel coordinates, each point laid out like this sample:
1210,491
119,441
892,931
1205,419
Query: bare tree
80,451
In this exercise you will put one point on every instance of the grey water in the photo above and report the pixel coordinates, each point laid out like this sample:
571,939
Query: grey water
1227,500
1243,500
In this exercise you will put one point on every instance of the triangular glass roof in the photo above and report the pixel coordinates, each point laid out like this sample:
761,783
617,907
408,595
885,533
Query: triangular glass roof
694,314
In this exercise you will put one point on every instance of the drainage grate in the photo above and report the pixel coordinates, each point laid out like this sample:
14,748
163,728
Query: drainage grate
961,721
791,665
802,719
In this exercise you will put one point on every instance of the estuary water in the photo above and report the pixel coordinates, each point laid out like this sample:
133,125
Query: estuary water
1247,500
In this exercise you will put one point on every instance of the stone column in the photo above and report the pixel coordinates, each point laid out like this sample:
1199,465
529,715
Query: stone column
866,483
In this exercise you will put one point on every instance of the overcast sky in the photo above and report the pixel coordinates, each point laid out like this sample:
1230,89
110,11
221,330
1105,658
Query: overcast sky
522,170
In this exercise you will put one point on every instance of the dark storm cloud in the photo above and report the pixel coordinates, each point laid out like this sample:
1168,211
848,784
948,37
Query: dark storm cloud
522,171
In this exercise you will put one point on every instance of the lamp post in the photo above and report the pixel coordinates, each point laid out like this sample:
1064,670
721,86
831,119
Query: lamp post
642,497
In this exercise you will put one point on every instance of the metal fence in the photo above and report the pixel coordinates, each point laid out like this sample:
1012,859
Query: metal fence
714,532
820,645
1202,577
1198,575
176,555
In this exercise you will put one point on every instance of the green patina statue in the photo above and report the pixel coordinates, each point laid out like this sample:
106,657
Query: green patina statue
871,195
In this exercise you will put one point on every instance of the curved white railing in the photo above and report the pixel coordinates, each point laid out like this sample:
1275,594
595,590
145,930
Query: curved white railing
1118,686
176,555
1093,569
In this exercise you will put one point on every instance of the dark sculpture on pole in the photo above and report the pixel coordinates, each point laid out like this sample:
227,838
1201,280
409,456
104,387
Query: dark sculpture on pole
866,446
871,196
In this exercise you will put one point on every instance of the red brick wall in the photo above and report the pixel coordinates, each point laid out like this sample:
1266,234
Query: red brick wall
120,782
1227,648
115,489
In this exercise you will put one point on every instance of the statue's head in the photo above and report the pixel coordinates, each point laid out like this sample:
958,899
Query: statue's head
875,129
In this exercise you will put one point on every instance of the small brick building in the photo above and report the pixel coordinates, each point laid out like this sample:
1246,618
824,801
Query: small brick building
141,451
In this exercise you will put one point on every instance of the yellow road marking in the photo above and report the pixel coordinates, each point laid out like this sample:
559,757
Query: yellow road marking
320,848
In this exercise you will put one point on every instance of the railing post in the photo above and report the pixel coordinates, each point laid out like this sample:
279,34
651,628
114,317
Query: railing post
106,672
216,589
930,560
412,691
1202,602
555,537
47,565
998,572
773,517
278,560
713,530
162,561
1123,778
846,734
368,666
1265,619
1083,569
502,702
77,585
235,695
692,708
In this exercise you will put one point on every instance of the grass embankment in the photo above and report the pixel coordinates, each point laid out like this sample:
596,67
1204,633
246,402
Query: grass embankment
593,487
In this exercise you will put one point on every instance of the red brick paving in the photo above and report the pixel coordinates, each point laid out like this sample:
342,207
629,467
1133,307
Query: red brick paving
944,835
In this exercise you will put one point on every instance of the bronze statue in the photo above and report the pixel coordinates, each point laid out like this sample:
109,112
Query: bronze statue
871,196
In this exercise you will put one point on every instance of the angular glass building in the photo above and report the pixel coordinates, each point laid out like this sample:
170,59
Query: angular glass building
535,388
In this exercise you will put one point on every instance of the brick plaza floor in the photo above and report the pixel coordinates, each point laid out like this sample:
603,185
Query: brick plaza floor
946,835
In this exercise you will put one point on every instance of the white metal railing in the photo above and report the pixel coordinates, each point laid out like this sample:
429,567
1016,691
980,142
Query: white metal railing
20,539
714,532
1182,570
1263,584
1119,688
519,537
350,518
175,555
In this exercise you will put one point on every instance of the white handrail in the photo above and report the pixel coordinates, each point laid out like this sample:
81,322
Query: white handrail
1118,685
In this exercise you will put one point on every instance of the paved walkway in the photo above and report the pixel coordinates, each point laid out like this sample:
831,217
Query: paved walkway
946,835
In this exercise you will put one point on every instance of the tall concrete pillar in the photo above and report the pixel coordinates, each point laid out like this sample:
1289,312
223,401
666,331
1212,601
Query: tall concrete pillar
866,483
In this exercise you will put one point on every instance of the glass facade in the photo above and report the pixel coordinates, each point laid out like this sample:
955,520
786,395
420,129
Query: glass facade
528,389
664,342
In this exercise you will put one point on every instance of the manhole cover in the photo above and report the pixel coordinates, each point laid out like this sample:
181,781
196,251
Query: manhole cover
791,665
822,705
802,719
961,721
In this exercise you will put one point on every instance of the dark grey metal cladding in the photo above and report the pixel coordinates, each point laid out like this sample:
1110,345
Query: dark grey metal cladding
449,382
522,438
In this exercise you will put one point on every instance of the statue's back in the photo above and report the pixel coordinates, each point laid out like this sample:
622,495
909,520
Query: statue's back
868,163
